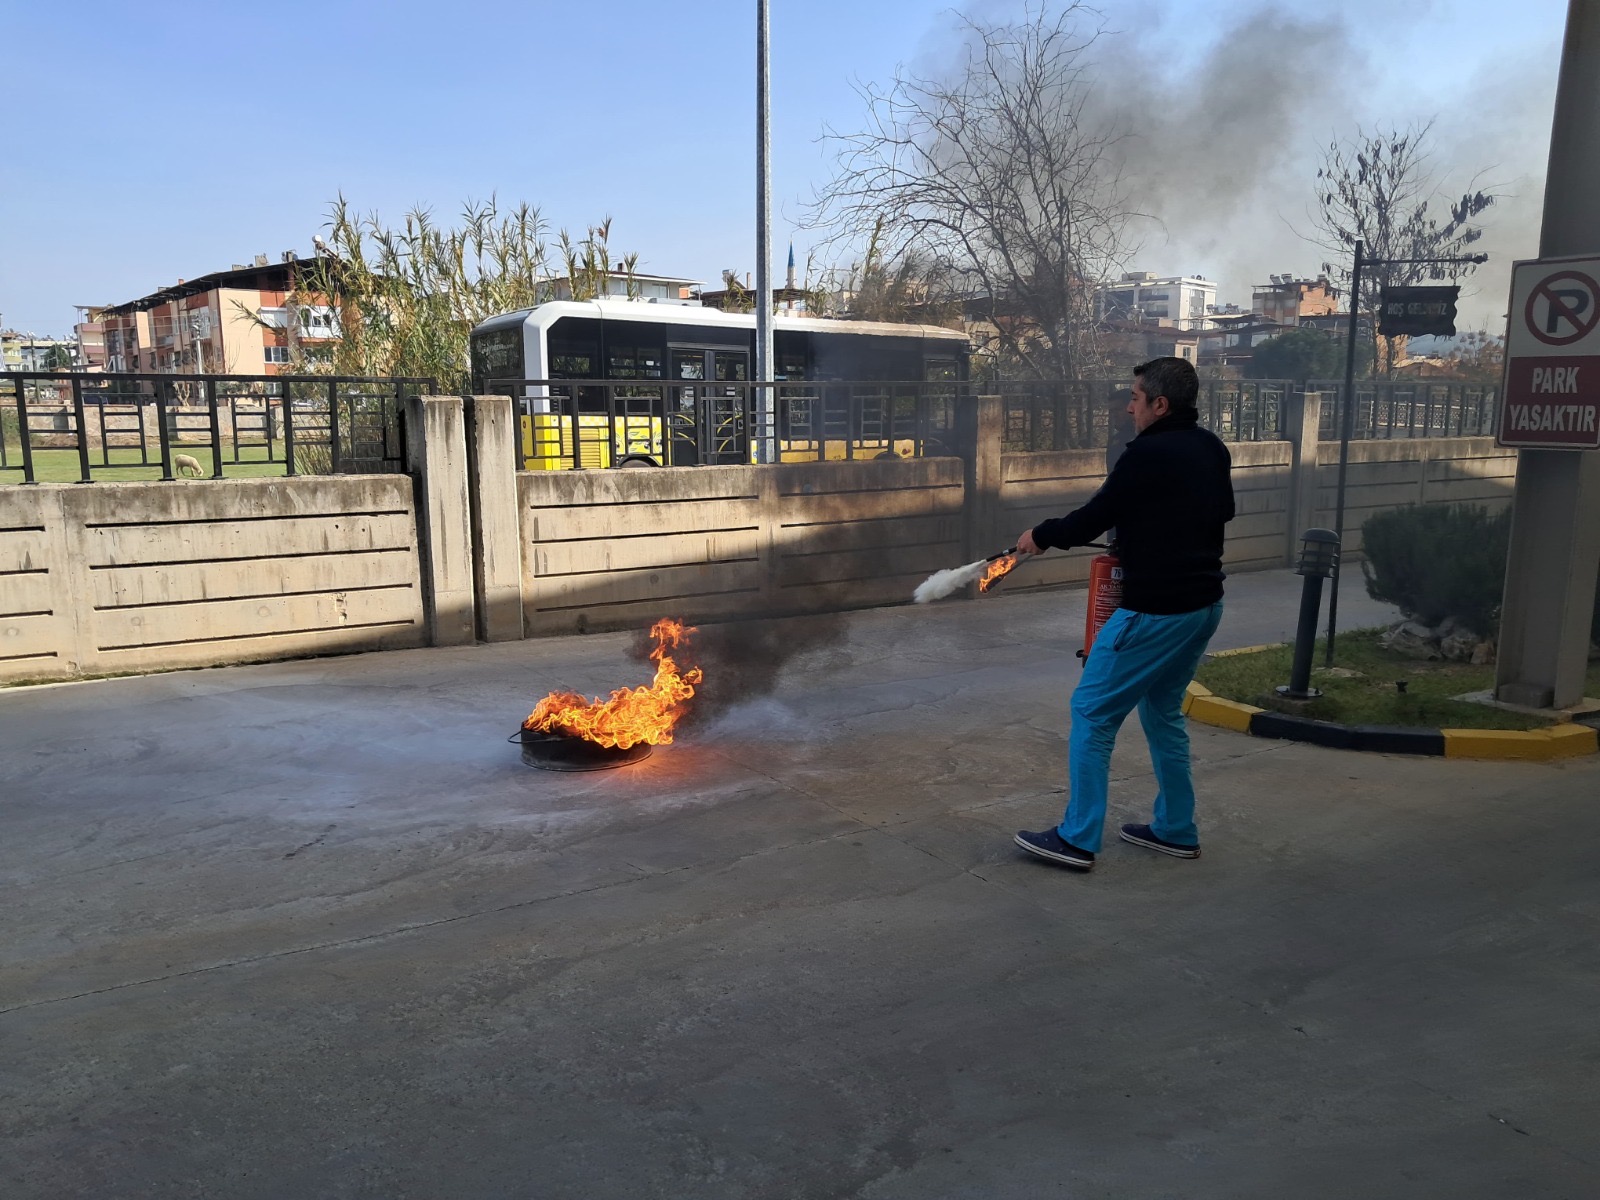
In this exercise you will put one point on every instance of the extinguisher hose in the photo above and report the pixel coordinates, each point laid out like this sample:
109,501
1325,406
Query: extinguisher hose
1013,550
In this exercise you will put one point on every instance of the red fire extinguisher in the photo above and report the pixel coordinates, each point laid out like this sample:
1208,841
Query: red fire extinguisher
1105,595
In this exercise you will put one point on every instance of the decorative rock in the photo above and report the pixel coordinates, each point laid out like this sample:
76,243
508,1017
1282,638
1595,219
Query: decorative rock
1458,646
1411,637
1483,654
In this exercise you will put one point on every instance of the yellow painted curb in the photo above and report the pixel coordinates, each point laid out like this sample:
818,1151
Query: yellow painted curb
1573,740
1244,650
1535,745
1226,714
1189,693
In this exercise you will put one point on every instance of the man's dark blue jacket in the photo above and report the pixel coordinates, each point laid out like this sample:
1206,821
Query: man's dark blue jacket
1168,498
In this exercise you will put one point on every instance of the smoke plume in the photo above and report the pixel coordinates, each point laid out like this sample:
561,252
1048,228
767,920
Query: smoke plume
745,660
1220,115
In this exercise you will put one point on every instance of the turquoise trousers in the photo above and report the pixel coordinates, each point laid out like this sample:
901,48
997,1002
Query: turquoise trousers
1144,661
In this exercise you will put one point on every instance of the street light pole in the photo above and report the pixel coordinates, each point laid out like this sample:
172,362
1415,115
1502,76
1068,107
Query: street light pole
764,431
1347,420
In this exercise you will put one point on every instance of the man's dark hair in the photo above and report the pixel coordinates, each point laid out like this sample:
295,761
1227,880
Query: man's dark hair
1174,378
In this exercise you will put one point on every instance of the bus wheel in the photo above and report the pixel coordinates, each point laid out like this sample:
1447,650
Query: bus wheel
638,460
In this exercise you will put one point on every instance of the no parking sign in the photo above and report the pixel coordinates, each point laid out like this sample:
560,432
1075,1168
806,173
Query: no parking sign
1552,380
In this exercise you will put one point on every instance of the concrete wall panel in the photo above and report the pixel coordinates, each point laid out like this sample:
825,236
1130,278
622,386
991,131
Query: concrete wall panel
682,585
605,549
257,617
132,543
24,593
645,551
148,576
837,508
550,522
1385,475
28,635
22,546
116,587
638,485
883,565
38,615
874,532
1052,465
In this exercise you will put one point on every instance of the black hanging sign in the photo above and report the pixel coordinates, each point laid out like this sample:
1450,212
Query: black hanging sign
1418,311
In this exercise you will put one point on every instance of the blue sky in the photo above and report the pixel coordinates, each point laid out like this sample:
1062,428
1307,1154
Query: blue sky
152,142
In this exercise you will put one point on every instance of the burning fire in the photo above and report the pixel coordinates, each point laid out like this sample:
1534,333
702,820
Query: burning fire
998,570
632,715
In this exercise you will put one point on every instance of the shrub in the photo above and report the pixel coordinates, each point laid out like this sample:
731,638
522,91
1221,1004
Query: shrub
1438,562
1433,563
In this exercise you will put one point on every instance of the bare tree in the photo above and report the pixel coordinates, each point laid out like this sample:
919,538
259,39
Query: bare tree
995,182
1379,188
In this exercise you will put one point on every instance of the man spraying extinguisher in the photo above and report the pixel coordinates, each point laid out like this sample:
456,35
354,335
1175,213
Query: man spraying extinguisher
1169,497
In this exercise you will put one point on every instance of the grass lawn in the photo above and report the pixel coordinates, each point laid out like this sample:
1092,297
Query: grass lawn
61,466
1368,695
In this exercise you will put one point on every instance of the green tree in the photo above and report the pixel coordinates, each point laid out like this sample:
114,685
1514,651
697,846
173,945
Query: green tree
409,295
57,358
1298,354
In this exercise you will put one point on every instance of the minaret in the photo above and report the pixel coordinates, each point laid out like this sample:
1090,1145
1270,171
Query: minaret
789,283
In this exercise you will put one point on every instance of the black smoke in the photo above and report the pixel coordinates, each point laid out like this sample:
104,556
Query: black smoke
744,660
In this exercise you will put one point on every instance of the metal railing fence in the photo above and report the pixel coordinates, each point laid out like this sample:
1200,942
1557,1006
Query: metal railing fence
1411,408
601,423
1087,414
76,427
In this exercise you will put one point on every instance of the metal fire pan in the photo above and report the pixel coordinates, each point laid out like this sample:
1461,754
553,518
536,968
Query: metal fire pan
562,752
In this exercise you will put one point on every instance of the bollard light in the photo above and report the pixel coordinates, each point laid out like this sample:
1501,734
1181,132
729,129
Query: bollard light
1319,554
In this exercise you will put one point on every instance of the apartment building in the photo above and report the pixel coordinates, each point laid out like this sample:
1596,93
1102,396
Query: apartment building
622,284
33,352
1144,298
90,335
242,321
1286,299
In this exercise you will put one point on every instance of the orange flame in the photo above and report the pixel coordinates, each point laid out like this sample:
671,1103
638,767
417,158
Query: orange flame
998,570
632,715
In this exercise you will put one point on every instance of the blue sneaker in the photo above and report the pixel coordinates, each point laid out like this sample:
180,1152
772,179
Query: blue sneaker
1140,835
1048,844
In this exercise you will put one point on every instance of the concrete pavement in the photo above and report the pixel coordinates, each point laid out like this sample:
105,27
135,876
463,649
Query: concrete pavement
312,930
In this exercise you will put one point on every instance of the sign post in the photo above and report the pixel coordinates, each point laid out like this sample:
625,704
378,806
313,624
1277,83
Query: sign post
1418,311
1551,396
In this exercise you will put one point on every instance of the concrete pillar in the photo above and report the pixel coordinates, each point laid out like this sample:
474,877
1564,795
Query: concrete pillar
436,452
497,543
980,426
1555,523
1302,418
